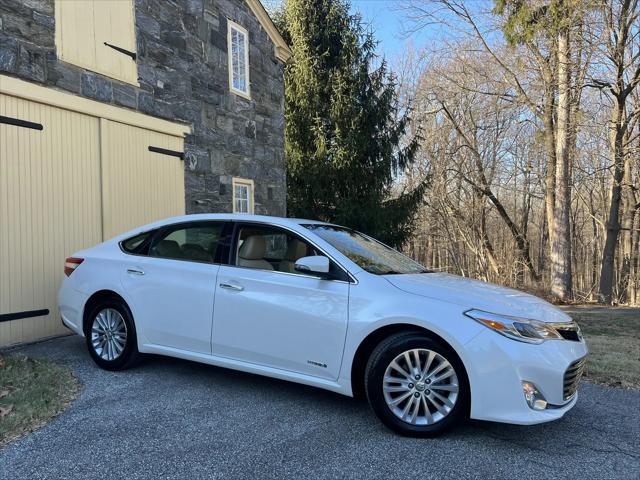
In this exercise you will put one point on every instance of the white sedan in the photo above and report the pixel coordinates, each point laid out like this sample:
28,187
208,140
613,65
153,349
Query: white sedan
326,306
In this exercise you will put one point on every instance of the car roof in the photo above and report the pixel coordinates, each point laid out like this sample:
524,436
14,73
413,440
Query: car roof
242,217
237,217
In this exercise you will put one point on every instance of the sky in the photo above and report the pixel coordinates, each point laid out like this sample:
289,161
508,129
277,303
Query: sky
386,18
390,22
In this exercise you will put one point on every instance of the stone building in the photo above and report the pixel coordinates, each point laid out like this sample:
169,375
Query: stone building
117,112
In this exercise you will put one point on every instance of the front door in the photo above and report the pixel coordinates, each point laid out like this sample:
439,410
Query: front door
267,314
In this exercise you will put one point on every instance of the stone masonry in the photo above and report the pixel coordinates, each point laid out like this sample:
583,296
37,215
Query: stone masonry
183,76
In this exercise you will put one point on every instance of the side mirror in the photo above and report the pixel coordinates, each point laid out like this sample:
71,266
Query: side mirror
316,264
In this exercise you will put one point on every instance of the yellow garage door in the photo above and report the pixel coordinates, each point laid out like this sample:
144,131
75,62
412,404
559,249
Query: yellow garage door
143,176
69,181
50,206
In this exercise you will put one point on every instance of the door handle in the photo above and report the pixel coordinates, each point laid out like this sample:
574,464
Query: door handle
231,286
135,271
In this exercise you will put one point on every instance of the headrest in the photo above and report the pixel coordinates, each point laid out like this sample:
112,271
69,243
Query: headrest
192,251
296,249
168,249
253,248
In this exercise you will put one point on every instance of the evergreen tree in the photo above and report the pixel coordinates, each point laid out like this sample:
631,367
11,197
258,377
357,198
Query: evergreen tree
345,136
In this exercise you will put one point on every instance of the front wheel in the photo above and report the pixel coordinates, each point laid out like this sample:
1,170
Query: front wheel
111,336
416,385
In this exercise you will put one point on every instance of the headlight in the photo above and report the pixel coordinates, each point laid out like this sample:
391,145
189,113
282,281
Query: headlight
521,329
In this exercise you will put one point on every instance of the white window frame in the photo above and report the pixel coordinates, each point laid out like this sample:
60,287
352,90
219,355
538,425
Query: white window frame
244,182
230,27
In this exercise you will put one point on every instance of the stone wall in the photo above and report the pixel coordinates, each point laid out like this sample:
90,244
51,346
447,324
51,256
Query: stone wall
183,76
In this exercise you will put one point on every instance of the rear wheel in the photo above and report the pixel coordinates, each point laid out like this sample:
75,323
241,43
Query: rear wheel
416,385
110,335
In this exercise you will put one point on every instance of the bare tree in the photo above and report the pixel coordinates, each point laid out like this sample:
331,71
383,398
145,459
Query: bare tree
621,42
561,279
521,145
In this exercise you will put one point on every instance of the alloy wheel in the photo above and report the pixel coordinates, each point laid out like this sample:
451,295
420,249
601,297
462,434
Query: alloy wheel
108,334
420,387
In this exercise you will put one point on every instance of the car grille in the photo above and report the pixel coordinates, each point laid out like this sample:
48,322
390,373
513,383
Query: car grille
572,378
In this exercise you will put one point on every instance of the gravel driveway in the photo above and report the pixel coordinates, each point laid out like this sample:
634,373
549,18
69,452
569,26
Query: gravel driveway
170,418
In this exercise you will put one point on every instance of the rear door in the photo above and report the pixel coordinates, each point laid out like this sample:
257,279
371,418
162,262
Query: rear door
173,284
267,315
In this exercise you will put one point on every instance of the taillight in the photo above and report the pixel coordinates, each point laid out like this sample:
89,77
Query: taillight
70,264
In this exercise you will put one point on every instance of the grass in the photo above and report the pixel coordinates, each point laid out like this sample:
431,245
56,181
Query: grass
613,338
32,391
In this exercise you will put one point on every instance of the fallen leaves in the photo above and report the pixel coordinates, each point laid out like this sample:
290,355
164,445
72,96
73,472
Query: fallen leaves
4,411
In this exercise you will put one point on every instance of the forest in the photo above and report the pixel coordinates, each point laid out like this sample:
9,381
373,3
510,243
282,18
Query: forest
529,118
505,147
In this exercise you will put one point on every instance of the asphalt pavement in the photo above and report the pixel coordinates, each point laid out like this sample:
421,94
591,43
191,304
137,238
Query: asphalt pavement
170,418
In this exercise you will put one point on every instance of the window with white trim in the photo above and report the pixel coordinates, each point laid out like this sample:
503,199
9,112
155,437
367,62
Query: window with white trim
238,53
242,195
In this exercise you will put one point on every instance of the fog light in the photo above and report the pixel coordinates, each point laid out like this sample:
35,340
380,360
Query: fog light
533,397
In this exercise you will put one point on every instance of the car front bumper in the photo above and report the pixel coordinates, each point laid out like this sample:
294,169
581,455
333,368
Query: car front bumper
497,366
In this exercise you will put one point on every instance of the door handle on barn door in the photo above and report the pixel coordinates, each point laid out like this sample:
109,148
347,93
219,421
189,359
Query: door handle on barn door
232,286
135,271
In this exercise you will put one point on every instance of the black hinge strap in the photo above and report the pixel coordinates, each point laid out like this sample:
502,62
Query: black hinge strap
7,317
122,50
20,123
164,151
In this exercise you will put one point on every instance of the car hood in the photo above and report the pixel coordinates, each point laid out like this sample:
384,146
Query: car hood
478,295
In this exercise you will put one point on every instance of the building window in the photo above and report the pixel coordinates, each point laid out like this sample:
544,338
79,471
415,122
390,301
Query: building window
238,44
99,36
242,195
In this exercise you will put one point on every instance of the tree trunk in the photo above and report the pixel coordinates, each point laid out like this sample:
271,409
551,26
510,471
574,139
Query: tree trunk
550,147
561,286
628,216
634,284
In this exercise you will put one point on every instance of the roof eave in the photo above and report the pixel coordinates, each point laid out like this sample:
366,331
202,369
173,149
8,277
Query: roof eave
281,49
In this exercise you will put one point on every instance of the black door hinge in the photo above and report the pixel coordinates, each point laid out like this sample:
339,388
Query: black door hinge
7,317
20,123
164,151
122,50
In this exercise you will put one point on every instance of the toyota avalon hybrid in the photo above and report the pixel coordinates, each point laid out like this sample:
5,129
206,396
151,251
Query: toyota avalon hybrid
326,306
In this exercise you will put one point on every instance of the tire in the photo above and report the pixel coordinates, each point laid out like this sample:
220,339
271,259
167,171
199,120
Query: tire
412,406
107,320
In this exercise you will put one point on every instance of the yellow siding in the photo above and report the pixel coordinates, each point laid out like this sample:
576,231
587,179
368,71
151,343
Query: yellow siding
50,206
83,27
139,186
79,181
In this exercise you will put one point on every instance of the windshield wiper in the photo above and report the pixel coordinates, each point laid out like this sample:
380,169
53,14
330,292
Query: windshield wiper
394,272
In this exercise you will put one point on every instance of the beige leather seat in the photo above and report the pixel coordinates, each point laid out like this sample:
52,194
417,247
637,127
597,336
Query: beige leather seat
252,253
167,249
192,251
295,250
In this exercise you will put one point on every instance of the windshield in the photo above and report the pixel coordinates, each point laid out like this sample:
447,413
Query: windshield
369,254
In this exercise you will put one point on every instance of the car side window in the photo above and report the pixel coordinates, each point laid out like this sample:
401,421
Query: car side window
203,242
270,248
137,245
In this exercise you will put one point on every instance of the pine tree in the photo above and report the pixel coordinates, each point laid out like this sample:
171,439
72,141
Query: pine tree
345,134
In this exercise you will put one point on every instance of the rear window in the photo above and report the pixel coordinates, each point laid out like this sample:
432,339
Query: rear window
136,244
